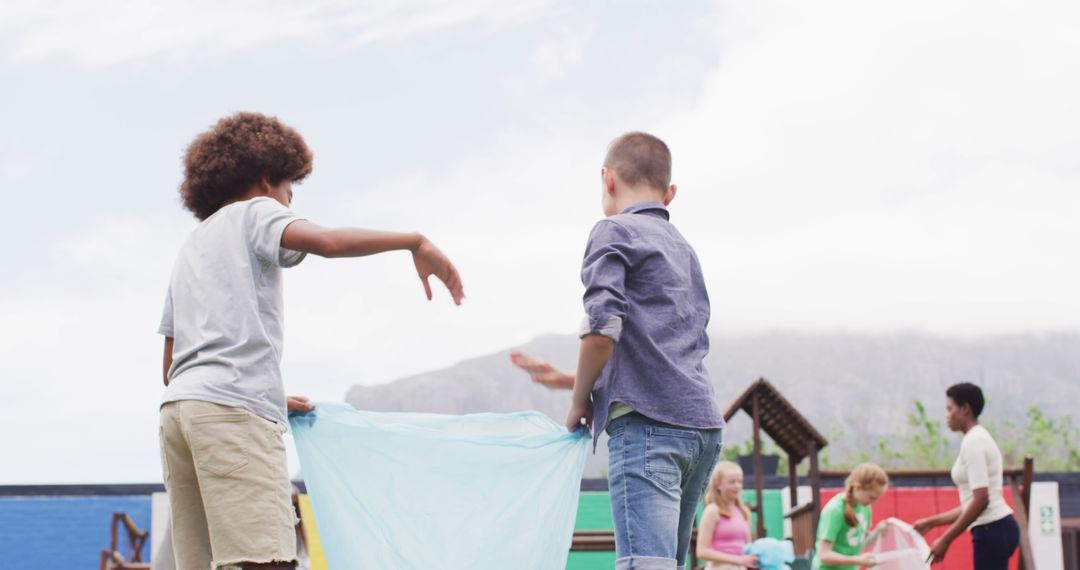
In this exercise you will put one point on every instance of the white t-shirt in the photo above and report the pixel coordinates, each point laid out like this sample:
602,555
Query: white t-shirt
979,467
224,309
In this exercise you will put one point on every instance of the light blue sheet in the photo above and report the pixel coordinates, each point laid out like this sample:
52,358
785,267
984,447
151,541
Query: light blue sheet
427,491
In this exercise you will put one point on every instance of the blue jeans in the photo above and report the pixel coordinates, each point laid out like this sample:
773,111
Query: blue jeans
657,474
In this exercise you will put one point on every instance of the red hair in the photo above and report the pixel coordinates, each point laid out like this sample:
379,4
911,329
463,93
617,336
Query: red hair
865,476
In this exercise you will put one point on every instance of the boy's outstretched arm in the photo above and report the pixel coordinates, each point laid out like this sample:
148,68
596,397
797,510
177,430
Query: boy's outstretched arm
596,350
305,236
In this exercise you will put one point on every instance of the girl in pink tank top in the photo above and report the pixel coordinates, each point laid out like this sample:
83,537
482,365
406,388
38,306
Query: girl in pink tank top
725,524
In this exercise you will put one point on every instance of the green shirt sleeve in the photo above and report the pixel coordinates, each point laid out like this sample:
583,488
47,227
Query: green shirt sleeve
832,525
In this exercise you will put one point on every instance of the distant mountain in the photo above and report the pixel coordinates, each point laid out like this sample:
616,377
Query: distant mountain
840,382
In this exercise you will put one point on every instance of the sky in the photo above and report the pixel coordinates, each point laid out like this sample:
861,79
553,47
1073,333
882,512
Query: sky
842,166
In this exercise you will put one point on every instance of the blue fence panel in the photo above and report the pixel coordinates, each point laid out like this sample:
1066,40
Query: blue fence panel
45,532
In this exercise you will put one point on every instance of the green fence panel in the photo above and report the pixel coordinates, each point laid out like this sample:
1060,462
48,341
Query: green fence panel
773,509
590,560
594,511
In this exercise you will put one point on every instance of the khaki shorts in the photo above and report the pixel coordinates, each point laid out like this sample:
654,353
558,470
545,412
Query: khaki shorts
228,485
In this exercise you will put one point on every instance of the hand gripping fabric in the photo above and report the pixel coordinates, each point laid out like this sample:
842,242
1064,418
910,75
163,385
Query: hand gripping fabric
408,491
772,554
899,547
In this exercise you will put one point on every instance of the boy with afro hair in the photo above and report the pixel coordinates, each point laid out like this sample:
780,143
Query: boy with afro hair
224,410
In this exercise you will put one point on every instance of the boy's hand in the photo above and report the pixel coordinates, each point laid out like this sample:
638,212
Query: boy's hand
577,413
542,372
299,404
430,261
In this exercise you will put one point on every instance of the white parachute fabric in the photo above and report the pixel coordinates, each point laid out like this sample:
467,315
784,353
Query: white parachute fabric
899,547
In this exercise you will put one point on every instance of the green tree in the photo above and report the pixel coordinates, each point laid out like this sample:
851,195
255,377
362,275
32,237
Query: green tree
1054,442
1051,441
768,447
927,445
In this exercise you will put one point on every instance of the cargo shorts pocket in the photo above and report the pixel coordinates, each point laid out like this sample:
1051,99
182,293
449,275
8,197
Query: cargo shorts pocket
219,442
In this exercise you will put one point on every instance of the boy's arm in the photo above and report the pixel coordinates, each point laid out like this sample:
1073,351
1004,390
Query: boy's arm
167,360
596,350
305,236
603,273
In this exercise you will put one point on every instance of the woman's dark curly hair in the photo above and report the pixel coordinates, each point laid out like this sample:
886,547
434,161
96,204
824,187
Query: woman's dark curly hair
239,151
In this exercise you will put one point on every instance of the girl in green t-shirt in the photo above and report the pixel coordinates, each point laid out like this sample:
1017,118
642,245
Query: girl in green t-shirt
845,521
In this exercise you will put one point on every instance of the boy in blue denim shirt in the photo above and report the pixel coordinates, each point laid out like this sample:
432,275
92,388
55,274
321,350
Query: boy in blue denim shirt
640,373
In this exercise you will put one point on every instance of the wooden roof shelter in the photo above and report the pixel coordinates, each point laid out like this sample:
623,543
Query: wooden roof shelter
773,413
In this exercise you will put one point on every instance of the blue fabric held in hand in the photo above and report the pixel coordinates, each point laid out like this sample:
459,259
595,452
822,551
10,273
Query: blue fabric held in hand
772,554
422,491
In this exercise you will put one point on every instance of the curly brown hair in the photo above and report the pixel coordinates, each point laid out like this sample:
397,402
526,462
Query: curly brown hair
222,163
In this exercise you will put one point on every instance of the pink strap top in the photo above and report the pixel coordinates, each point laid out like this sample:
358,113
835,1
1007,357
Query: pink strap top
730,534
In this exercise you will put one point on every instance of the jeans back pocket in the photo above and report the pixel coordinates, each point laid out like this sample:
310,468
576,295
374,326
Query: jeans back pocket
669,452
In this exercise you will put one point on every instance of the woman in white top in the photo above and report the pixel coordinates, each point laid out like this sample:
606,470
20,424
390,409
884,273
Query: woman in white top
977,474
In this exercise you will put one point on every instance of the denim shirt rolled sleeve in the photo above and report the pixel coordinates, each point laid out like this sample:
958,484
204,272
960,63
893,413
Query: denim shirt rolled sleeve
608,257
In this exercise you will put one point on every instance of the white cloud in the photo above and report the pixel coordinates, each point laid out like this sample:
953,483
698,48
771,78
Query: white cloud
563,51
868,166
82,362
113,31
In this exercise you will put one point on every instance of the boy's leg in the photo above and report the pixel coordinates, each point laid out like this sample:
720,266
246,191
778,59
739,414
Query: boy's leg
244,481
648,462
190,536
694,486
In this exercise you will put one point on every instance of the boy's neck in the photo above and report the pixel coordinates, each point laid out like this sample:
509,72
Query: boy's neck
253,192
633,196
